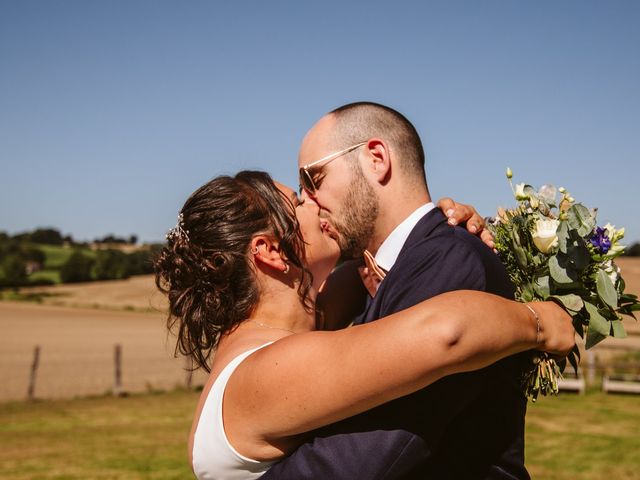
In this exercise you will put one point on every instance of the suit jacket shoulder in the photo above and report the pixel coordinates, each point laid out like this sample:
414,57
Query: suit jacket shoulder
437,258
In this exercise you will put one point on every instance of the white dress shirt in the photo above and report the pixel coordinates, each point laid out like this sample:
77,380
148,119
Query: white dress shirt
390,248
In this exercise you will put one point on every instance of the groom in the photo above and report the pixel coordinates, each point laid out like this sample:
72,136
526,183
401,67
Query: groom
363,164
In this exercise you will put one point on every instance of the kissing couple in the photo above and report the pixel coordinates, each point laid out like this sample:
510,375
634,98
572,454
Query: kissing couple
424,382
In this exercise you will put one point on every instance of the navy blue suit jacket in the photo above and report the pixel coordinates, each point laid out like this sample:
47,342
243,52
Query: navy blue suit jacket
465,426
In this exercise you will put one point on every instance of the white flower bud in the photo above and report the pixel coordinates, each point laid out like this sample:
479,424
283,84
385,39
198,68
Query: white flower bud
544,235
520,195
509,174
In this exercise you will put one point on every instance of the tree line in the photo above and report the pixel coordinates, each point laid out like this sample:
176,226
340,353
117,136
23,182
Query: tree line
45,256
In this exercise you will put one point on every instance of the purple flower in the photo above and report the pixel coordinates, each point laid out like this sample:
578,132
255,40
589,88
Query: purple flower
600,241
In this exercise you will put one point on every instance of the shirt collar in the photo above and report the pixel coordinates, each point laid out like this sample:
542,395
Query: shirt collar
390,248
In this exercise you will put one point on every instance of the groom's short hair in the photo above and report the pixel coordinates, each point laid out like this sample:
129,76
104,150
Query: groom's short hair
359,121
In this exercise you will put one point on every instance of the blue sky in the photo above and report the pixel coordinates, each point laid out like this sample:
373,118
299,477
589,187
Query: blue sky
113,112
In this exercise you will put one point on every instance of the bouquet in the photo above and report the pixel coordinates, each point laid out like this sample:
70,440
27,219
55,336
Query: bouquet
553,249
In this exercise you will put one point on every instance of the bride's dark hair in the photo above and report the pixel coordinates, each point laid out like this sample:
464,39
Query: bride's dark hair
205,268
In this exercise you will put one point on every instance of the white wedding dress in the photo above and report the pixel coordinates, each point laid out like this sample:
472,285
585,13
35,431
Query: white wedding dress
214,458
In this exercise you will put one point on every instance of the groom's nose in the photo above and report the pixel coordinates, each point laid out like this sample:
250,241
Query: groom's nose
305,196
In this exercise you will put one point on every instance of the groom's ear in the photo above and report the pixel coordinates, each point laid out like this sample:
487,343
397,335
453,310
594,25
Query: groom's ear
379,160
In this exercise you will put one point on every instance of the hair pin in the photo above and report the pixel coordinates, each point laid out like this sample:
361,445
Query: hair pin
178,231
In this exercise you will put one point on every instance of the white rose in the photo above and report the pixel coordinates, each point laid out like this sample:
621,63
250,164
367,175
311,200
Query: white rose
520,195
544,235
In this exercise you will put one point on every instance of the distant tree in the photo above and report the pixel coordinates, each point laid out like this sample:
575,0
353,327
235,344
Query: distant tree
33,254
47,236
140,262
22,237
110,265
110,239
133,239
633,250
4,237
14,271
68,239
77,268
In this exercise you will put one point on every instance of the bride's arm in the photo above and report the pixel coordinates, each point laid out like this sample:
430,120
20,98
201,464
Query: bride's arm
308,380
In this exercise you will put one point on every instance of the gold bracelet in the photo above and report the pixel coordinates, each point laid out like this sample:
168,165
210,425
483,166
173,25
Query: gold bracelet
535,315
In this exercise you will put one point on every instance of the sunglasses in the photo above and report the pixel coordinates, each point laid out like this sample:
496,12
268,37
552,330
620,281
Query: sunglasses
307,180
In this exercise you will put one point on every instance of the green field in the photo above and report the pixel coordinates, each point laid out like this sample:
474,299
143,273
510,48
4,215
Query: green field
50,275
144,437
56,256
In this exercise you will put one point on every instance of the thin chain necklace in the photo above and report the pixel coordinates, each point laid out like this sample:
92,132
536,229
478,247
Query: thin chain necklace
269,326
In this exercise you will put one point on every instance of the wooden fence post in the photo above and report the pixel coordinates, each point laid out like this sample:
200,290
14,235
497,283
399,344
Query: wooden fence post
117,384
34,371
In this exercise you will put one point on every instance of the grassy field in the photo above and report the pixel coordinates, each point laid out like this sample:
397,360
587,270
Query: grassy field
588,437
56,256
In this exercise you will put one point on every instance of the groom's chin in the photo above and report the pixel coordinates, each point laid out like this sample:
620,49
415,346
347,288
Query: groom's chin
350,253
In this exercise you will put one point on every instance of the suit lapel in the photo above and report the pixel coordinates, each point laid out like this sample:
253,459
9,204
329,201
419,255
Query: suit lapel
424,228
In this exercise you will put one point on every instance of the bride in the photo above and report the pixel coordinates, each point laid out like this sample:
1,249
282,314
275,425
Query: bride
242,269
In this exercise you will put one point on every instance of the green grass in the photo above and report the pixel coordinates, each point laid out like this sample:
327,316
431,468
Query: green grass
137,437
56,256
590,437
51,275
22,296
144,437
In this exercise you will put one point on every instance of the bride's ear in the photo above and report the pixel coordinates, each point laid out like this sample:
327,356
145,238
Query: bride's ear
266,253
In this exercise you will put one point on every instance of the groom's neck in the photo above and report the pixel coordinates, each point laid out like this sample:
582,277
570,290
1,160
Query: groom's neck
394,209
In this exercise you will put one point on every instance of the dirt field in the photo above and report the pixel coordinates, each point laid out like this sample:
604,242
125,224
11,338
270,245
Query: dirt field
77,351
138,293
78,344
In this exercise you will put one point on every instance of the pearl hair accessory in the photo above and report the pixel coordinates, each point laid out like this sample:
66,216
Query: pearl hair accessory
178,231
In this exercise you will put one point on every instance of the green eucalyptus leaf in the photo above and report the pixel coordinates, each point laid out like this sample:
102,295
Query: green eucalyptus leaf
581,219
593,338
578,254
579,328
617,329
570,301
541,286
573,360
559,272
597,323
606,290
563,234
562,364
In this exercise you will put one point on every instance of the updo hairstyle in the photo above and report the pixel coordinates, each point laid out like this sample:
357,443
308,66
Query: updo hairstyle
205,269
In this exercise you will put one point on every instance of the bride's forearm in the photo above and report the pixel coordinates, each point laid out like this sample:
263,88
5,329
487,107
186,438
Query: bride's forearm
479,329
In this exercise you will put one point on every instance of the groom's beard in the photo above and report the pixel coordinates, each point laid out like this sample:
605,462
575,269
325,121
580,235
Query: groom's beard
357,218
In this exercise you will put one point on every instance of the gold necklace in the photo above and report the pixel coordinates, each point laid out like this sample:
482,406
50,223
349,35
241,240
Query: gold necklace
269,326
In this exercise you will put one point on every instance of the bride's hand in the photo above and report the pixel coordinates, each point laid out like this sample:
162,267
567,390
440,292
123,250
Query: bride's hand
557,334
460,213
